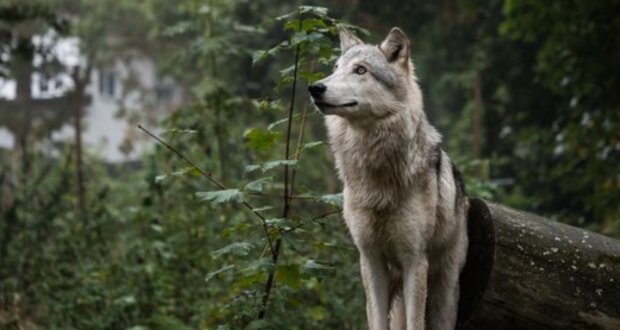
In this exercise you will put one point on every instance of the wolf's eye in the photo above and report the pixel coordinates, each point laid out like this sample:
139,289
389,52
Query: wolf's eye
335,67
360,70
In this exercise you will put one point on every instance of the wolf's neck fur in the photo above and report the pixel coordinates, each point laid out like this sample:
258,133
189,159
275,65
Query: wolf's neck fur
383,163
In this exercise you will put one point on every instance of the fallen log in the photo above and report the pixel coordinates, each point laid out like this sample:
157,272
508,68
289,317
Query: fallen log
527,272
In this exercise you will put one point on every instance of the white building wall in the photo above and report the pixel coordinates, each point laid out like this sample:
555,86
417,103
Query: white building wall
105,132
107,129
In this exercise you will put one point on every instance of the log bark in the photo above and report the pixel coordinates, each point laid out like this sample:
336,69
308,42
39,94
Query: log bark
527,272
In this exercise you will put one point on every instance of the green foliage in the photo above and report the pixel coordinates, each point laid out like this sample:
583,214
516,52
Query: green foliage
151,253
249,265
575,61
261,140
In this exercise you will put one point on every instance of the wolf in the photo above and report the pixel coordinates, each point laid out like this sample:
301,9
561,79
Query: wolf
405,203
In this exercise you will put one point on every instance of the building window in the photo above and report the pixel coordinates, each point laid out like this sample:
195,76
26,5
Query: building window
164,93
44,83
107,83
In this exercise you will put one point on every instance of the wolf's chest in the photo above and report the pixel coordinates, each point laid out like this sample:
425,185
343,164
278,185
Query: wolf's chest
376,178
395,232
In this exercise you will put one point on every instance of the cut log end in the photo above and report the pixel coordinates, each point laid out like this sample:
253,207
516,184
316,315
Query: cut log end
477,270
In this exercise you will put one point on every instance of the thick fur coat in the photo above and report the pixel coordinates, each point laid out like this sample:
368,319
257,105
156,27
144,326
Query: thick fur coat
404,201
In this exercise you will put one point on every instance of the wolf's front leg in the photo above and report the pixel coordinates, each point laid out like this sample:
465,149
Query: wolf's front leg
414,292
444,287
443,299
376,282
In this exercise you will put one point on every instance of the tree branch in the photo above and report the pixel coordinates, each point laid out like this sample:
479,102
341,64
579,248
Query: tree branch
209,176
300,138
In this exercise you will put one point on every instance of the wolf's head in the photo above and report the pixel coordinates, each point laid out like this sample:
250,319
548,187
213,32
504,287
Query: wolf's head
368,82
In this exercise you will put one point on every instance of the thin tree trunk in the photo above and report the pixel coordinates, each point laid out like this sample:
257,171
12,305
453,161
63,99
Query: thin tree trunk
475,120
23,70
78,105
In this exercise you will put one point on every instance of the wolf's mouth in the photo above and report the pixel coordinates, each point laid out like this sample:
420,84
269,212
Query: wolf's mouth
327,105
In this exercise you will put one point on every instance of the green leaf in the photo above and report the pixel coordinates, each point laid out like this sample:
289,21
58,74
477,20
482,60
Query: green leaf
263,208
279,47
258,265
192,171
221,196
307,25
258,139
257,185
275,163
276,222
315,10
211,275
261,55
292,25
333,199
327,58
160,178
179,28
268,106
252,29
311,145
258,56
252,168
310,76
314,267
238,248
302,37
287,16
287,71
280,121
126,300
270,165
298,38
289,275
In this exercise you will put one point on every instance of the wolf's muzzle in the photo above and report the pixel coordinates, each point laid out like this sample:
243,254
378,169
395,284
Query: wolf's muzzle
317,90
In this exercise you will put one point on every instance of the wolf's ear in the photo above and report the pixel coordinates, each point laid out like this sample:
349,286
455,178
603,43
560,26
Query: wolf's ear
347,39
396,46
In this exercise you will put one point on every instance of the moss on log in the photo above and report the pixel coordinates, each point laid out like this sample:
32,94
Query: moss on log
527,272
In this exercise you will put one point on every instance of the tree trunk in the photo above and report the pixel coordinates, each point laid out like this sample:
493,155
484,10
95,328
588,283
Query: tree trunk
476,130
527,272
78,105
23,69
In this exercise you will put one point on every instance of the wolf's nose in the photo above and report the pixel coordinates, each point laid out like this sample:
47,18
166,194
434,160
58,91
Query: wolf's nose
316,90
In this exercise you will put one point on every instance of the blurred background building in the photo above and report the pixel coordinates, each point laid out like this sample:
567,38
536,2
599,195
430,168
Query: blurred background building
117,96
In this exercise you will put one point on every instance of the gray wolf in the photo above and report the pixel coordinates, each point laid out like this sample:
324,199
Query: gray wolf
404,201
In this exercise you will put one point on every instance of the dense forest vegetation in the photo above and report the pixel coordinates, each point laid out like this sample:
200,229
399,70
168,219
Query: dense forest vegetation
232,220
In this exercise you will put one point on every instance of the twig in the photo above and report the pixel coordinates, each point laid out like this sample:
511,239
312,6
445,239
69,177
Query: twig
277,196
300,138
209,177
